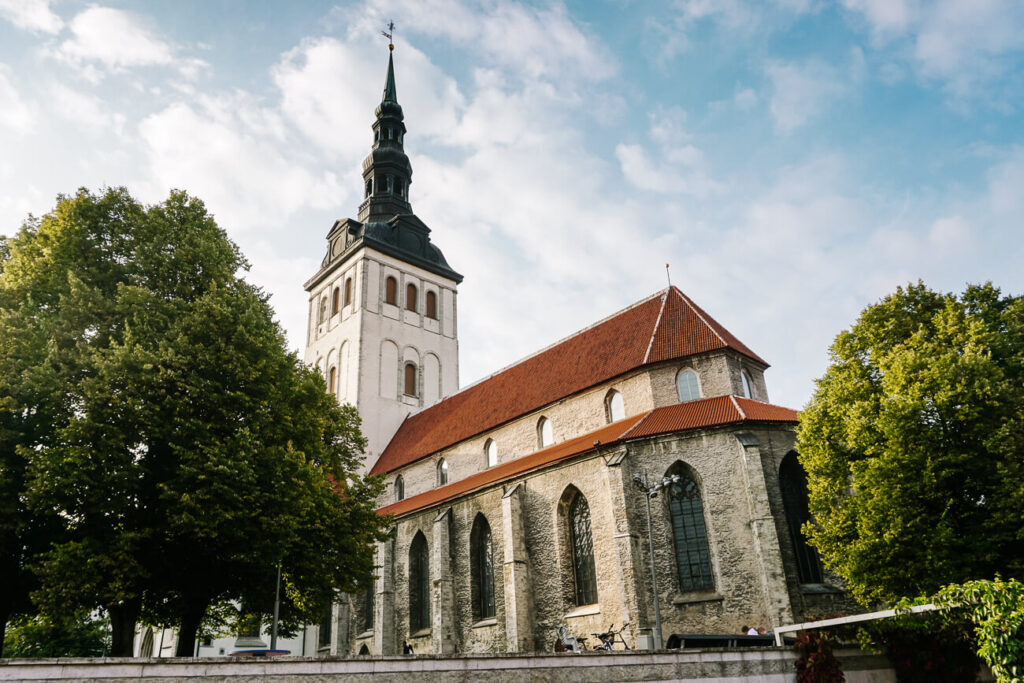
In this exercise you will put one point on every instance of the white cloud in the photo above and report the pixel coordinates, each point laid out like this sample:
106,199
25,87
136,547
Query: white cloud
1006,180
801,91
15,112
745,98
107,40
231,154
31,15
86,111
885,17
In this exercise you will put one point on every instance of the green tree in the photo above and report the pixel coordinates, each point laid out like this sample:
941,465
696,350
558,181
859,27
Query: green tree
913,444
41,637
186,451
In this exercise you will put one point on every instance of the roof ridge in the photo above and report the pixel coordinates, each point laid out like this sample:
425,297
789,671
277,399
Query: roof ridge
546,348
736,404
625,434
697,312
657,324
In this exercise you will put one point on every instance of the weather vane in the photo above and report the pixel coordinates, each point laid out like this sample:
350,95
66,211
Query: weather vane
387,34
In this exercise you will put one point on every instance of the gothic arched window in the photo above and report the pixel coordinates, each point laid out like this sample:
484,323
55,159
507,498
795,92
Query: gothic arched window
391,291
334,302
689,533
687,385
581,542
615,408
399,488
410,297
442,472
793,482
748,390
481,569
324,637
545,435
490,453
410,379
348,291
368,607
432,305
419,584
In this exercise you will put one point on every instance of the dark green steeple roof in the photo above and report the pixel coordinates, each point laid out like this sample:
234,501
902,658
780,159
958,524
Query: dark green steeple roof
386,220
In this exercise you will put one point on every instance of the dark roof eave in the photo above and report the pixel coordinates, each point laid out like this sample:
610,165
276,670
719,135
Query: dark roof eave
384,248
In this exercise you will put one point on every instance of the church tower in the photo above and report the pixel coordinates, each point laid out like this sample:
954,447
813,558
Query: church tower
382,308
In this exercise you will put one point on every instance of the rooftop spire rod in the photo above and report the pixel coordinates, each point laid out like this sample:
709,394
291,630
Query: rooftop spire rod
388,34
668,275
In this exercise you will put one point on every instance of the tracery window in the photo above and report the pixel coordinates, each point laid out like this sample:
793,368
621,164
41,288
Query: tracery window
748,391
410,379
481,569
582,544
399,488
348,291
688,385
689,533
545,435
419,584
410,297
490,453
391,291
442,472
795,501
615,408
432,304
334,302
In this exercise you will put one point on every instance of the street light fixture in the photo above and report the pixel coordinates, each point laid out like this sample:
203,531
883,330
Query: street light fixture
650,490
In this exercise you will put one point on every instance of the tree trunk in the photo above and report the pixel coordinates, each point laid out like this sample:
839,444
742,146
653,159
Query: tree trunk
187,631
122,627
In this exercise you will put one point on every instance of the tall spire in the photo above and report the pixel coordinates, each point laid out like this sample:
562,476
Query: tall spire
387,172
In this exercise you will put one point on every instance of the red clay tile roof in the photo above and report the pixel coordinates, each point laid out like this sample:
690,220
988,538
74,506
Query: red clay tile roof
665,326
708,412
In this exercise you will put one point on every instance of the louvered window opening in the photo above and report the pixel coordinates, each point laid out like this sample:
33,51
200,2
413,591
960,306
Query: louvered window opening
419,585
482,570
693,557
793,482
582,552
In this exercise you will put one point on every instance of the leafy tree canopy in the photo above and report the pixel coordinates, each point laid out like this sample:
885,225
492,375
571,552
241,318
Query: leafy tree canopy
157,414
914,444
41,637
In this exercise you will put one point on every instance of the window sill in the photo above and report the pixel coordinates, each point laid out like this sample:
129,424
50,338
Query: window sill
483,623
365,634
690,598
585,611
422,633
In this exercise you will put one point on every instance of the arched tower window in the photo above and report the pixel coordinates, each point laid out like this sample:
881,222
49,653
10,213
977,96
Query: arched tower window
793,482
688,385
689,533
481,569
442,472
391,291
334,302
419,584
431,304
748,391
348,291
332,381
399,488
581,543
545,435
410,379
490,453
410,297
614,407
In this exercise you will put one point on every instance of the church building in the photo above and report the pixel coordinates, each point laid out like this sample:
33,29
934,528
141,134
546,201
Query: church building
520,501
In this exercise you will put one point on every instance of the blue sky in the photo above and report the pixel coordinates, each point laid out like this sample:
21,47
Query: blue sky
793,161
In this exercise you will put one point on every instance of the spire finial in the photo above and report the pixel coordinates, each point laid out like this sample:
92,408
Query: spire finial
388,34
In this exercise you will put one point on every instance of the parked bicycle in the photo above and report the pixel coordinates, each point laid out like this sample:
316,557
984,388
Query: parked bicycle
609,637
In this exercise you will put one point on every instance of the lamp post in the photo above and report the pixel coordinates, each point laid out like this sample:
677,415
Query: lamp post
650,490
277,608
